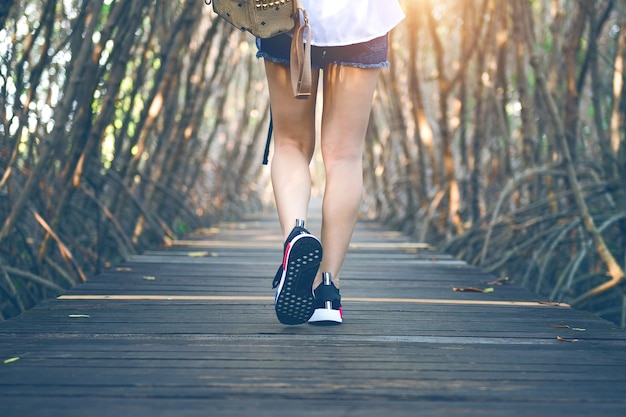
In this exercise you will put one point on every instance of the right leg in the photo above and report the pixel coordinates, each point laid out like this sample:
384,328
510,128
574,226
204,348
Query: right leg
348,93
294,143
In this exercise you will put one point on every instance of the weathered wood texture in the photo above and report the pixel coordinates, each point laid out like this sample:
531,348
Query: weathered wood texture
190,330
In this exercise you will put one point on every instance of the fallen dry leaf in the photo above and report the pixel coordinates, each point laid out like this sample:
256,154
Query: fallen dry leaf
562,339
565,326
472,289
499,281
549,303
201,254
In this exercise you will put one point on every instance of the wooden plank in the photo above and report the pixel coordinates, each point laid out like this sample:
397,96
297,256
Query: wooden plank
190,330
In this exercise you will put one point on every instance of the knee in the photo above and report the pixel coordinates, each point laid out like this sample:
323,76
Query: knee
295,143
341,154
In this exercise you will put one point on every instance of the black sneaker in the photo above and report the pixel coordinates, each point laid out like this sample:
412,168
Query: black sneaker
327,303
294,279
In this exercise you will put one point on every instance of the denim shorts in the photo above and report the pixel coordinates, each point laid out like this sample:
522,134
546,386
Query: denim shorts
370,54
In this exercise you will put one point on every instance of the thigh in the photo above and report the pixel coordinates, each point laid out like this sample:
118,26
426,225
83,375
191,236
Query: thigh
294,119
348,93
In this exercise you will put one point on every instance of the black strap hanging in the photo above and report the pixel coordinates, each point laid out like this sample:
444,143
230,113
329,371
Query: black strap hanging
270,129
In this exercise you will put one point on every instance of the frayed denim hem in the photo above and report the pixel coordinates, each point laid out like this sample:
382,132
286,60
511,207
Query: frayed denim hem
367,55
276,60
385,64
267,56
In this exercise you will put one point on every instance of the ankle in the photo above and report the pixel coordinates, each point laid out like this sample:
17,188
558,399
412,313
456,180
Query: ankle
319,280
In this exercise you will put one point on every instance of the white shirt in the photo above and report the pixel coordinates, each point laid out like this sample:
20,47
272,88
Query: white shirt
346,22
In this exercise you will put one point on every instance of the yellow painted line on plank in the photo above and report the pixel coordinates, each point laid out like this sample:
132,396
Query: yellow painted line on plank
391,245
276,244
125,297
167,297
226,244
459,302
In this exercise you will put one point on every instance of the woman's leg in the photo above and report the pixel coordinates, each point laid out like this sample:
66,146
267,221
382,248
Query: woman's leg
348,93
294,143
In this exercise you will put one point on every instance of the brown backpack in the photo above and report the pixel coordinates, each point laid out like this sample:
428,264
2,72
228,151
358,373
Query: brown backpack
267,18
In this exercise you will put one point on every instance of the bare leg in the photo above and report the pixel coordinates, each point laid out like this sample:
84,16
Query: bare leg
348,93
294,143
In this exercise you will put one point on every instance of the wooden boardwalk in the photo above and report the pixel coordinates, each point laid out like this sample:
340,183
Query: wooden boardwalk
190,330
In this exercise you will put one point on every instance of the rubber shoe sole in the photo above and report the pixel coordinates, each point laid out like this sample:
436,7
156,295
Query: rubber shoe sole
294,294
326,317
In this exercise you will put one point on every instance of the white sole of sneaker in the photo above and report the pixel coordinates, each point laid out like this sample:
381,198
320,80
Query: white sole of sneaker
294,294
326,316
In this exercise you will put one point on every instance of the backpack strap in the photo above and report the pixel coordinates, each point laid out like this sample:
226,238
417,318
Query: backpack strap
270,129
300,55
